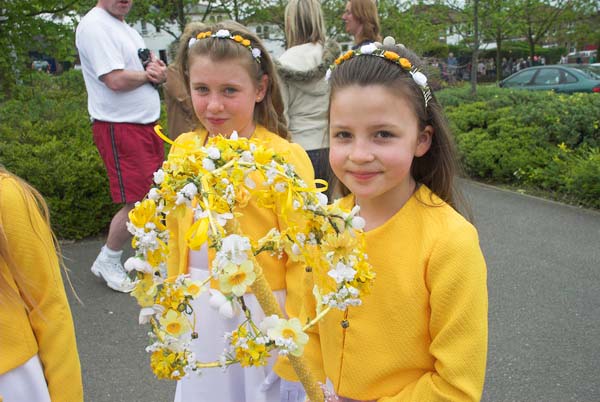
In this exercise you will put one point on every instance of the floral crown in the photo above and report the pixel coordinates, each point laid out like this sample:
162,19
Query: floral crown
375,49
225,34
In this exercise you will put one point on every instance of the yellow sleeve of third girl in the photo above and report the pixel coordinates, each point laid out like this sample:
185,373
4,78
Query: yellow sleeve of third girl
32,249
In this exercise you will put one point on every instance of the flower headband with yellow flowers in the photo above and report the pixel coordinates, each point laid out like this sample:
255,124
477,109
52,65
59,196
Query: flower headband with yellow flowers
375,49
225,34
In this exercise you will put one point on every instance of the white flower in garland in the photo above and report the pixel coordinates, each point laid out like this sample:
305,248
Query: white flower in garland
227,307
159,176
288,335
213,153
208,164
234,248
137,264
342,272
236,278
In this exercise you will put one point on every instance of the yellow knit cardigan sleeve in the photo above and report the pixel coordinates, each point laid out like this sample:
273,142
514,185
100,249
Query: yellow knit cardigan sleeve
456,278
31,247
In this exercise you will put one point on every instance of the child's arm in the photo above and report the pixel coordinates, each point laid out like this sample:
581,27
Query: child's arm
456,278
30,244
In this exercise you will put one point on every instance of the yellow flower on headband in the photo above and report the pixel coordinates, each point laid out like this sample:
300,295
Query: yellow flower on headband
238,38
405,63
391,55
203,35
347,55
246,42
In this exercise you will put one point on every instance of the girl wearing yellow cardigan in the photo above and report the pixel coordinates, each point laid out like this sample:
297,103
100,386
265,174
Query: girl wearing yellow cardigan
421,335
233,87
38,352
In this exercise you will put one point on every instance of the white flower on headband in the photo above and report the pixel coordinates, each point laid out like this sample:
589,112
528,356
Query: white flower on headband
223,33
256,53
368,49
328,74
192,41
419,78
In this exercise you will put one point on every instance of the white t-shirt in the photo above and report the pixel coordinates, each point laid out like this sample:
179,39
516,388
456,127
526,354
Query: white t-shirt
106,44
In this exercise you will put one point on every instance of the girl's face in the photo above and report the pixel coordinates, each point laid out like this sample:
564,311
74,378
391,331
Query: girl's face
224,95
374,136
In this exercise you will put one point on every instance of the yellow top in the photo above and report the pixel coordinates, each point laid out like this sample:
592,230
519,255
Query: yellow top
255,223
47,329
421,335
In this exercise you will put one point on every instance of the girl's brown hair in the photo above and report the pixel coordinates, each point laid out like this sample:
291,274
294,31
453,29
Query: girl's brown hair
438,167
365,11
269,111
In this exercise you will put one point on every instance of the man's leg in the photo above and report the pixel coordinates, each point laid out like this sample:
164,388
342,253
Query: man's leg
117,233
108,263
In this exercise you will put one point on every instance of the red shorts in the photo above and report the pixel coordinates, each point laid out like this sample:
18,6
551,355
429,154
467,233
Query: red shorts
131,154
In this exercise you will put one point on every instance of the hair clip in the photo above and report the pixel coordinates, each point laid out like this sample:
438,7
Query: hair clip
225,34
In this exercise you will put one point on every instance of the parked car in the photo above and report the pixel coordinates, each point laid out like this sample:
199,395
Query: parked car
558,78
40,65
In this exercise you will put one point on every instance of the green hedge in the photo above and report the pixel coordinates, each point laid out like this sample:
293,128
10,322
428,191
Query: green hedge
542,141
535,140
47,140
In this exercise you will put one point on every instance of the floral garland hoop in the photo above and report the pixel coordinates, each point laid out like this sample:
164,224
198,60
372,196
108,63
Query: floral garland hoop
214,181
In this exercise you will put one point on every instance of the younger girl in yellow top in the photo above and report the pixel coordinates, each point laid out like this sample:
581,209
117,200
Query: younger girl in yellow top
38,352
421,335
233,87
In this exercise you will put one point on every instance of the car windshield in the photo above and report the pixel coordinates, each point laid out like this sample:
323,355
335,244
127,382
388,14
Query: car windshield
592,72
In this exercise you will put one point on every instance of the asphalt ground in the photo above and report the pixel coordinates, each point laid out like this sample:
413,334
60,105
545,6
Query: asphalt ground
543,263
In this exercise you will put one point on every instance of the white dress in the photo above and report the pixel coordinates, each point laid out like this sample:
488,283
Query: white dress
25,383
235,384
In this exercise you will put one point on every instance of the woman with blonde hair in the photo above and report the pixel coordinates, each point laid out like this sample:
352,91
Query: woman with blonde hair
302,70
37,337
362,22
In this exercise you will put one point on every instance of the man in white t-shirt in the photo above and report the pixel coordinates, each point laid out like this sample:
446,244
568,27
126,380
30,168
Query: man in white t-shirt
124,105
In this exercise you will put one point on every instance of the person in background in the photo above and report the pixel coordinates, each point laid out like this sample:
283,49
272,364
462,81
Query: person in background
302,70
180,113
38,350
124,105
362,22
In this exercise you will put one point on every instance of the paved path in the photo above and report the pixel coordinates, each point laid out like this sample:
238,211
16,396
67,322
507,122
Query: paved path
543,277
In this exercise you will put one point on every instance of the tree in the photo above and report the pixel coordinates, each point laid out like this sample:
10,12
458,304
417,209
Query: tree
41,26
538,18
499,25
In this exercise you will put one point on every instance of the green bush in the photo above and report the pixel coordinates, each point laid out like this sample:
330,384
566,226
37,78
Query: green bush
541,140
47,140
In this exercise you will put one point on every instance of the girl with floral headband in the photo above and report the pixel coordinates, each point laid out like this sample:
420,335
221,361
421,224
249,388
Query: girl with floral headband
233,89
421,335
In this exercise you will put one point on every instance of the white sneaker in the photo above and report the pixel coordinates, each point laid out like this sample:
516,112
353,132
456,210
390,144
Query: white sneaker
113,273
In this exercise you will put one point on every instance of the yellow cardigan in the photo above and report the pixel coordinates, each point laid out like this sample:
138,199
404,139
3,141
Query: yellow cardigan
421,335
281,273
47,329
